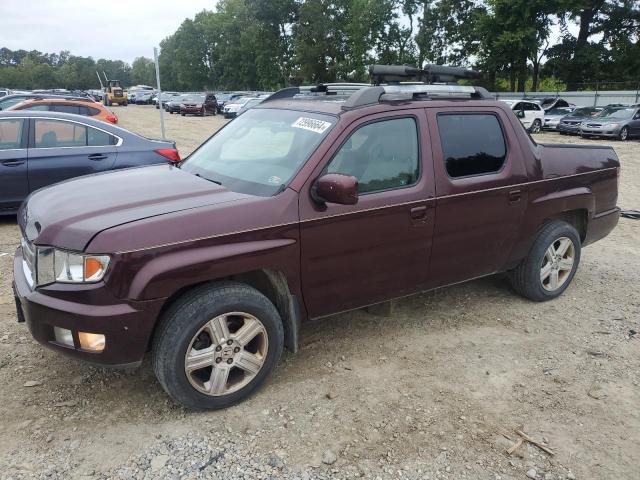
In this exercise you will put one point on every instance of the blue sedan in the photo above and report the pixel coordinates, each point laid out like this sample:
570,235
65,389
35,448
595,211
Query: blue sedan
38,149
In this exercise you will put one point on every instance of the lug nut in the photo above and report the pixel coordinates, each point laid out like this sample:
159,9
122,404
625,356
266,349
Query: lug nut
230,361
218,359
229,342
218,348
236,350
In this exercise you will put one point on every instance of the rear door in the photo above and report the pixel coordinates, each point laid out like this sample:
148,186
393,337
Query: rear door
14,185
63,149
480,190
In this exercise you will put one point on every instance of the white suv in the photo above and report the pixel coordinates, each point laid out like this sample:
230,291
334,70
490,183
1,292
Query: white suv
531,114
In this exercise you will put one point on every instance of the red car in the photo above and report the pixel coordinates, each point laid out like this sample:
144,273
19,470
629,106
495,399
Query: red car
300,209
199,105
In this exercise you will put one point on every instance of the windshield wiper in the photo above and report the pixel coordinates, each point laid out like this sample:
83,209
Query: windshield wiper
209,179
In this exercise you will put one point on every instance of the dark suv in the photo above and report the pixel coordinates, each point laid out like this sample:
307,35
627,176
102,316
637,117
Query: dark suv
298,209
199,105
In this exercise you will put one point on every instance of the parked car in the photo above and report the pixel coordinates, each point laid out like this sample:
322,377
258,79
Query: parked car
164,98
250,104
173,105
63,105
614,122
570,124
14,99
552,117
550,103
300,209
199,105
144,97
64,146
531,114
232,107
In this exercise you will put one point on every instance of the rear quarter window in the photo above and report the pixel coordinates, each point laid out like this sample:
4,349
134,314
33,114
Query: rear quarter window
472,143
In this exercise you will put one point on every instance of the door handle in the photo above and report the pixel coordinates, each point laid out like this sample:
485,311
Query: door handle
12,163
419,213
97,156
515,195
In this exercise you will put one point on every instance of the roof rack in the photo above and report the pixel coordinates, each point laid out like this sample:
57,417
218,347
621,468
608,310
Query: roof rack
390,74
396,83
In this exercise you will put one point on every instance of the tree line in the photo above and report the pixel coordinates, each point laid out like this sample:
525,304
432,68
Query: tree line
518,45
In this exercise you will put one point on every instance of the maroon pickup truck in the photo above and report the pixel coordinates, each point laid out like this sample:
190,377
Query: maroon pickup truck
303,207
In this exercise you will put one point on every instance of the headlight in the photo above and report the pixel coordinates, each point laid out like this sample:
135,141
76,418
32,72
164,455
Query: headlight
612,125
55,265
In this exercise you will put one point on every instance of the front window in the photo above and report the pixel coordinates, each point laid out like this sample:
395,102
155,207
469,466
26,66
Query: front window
194,99
621,113
259,152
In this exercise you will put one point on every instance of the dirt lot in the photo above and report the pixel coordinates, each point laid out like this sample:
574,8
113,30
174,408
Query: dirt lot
429,392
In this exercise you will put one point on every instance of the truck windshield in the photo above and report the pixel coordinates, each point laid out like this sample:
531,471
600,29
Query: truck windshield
260,151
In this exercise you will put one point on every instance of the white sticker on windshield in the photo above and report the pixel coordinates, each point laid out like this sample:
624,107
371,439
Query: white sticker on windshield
317,126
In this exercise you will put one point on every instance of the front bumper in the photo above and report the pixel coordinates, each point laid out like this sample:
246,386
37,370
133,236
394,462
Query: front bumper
600,132
126,325
191,110
551,125
567,128
230,114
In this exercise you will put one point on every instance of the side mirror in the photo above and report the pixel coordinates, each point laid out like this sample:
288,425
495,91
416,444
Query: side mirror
335,188
520,114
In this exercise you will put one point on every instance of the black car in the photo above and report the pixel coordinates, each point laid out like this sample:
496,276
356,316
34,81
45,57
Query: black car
11,100
173,104
570,124
41,148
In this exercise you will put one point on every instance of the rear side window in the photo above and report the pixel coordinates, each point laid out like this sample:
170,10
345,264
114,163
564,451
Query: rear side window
57,133
472,143
98,138
381,155
10,134
92,111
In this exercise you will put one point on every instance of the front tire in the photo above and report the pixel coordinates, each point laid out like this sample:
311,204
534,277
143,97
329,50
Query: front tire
536,126
216,345
624,134
551,264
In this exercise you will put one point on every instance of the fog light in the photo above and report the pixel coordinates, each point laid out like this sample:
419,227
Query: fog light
63,336
91,341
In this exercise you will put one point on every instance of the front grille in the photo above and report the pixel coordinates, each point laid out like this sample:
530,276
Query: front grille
29,261
594,125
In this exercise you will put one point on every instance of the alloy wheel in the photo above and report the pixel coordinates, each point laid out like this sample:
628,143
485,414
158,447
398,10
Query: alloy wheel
624,133
226,353
557,264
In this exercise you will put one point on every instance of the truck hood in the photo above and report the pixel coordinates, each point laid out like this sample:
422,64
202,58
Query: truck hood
69,214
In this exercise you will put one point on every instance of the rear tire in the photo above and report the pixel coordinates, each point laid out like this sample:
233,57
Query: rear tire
216,345
551,264
182,114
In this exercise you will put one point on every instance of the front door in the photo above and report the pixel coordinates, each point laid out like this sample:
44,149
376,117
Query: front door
378,249
634,124
14,184
481,192
63,149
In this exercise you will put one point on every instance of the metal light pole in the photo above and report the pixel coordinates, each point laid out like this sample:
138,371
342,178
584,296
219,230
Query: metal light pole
159,97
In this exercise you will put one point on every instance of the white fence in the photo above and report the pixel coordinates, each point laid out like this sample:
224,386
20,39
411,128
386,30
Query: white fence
582,99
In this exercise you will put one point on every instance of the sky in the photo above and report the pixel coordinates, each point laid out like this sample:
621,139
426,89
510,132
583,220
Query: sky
112,29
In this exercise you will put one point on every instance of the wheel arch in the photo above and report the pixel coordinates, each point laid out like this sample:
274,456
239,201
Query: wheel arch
272,284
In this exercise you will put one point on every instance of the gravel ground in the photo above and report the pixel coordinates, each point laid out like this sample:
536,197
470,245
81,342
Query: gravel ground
435,391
